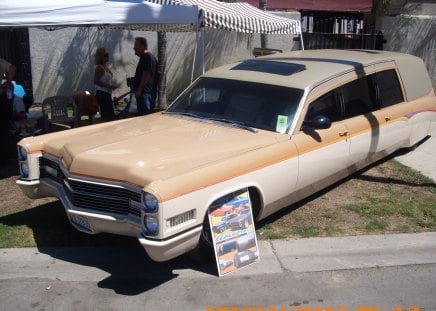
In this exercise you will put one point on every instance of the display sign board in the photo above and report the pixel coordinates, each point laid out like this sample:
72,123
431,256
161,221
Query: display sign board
233,233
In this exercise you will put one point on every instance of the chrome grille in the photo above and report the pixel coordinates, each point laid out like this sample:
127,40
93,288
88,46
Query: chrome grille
104,190
102,197
93,195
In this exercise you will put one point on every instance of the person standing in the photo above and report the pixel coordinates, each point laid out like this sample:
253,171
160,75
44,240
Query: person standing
7,70
103,81
145,76
7,74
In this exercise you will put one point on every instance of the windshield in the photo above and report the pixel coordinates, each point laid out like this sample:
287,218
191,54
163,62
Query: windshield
256,105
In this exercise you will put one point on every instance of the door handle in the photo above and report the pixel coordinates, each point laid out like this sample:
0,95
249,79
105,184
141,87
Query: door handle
388,118
344,133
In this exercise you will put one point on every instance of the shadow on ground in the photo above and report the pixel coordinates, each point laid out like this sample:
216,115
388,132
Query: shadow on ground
8,170
131,271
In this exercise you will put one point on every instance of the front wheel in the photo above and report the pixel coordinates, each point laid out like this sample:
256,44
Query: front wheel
204,250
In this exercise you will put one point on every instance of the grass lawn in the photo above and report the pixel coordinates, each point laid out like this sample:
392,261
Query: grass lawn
387,198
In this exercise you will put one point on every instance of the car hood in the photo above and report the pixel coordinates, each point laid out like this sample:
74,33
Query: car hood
145,149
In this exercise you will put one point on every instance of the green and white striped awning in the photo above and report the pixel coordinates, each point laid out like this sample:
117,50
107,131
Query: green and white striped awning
239,17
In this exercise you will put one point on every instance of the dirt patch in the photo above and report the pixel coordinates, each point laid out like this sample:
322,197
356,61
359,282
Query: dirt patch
13,200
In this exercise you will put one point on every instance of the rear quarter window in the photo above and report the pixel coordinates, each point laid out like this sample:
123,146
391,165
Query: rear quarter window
388,88
357,97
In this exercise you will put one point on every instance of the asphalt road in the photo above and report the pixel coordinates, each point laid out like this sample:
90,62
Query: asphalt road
381,272
380,289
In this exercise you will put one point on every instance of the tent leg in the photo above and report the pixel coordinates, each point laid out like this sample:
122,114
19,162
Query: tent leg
194,62
301,40
202,50
198,55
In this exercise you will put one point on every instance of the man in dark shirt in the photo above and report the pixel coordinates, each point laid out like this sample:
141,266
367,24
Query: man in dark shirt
145,77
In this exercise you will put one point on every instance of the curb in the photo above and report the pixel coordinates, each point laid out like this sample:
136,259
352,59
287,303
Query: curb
277,256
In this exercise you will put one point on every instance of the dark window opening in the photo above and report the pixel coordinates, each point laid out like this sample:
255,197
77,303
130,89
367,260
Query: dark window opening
388,88
279,68
356,98
325,106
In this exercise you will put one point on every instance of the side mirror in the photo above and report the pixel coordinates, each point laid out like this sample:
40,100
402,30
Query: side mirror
321,122
317,123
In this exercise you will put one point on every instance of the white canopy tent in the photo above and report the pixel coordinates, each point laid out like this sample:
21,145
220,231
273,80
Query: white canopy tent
153,15
55,13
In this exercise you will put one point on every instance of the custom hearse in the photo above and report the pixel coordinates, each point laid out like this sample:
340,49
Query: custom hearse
282,126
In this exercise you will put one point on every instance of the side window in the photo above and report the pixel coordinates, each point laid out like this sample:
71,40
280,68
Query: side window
356,97
388,88
324,106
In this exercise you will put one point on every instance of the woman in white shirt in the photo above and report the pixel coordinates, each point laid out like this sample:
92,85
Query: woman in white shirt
104,85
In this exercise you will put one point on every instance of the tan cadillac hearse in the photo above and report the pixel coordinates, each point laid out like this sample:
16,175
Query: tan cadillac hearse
282,126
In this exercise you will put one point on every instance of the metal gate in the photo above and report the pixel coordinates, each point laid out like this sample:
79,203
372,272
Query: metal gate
324,30
343,41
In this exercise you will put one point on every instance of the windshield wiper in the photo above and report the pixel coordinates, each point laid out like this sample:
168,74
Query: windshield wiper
235,124
181,113
229,122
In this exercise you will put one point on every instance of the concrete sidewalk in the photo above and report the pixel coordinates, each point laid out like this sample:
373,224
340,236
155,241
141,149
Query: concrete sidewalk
277,256
423,158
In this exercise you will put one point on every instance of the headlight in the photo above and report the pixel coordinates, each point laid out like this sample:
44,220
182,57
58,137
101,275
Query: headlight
149,207
24,170
151,225
149,203
22,154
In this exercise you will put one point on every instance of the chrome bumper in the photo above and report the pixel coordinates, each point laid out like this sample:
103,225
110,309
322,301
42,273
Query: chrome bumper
163,250
82,219
129,225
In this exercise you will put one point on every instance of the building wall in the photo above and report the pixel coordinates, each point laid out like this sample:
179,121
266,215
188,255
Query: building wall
413,36
413,30
62,60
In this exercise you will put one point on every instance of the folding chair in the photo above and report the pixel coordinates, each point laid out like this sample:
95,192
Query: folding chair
59,110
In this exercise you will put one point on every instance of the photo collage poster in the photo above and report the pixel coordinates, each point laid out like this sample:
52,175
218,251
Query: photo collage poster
233,232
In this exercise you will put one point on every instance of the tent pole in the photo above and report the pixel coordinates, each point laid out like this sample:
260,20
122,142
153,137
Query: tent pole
194,62
301,39
91,70
202,49
199,46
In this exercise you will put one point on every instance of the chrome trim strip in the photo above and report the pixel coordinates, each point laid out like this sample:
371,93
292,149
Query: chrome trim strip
172,239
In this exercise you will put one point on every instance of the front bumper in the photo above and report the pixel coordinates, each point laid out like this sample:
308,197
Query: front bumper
92,222
163,250
82,219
